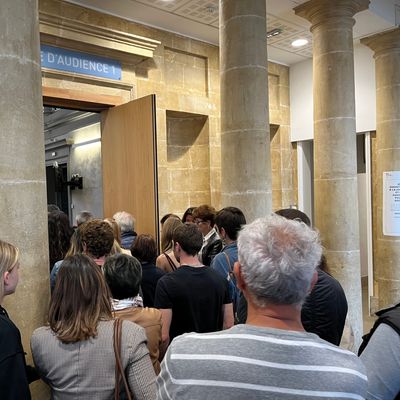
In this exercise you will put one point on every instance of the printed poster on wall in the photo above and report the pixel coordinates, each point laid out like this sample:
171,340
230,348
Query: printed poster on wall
391,203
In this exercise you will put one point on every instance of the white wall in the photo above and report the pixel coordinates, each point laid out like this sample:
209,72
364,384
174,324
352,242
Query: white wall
85,160
301,101
301,97
364,79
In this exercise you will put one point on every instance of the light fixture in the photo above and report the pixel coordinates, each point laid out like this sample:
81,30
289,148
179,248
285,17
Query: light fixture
299,42
274,32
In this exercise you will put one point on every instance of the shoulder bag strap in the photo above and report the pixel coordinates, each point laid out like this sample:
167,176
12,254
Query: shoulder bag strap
171,263
228,261
119,371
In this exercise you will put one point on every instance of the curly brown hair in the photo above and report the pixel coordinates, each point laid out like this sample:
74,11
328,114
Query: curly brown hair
97,237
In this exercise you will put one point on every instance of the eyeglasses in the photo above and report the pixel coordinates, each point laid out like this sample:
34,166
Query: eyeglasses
199,221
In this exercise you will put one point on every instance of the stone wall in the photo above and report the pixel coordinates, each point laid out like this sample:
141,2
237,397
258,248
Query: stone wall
184,75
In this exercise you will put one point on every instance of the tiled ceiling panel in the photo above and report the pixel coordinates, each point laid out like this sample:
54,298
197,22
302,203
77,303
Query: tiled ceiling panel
165,5
207,12
204,11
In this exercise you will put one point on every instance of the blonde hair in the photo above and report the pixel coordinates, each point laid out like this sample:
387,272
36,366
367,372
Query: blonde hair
167,231
8,260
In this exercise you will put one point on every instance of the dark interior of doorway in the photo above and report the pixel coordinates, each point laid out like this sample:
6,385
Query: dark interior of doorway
57,191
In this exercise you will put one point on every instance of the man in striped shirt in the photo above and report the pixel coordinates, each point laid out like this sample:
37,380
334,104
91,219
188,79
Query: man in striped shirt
271,356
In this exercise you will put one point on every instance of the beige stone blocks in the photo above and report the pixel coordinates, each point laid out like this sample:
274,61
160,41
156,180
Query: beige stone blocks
244,108
335,151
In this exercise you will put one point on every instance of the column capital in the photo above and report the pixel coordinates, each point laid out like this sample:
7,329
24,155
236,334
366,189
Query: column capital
321,11
383,42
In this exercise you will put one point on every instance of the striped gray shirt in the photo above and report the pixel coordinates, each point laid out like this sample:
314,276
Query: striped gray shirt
249,362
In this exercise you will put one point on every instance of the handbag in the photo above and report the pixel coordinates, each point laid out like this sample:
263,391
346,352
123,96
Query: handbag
119,371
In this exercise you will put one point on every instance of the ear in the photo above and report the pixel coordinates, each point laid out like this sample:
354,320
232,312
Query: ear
222,233
6,277
238,275
314,280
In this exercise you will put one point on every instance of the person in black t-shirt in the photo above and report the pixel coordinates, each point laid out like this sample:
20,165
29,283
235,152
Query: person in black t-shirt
194,298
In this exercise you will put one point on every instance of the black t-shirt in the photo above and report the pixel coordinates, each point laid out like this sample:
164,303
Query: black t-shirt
196,296
150,276
13,380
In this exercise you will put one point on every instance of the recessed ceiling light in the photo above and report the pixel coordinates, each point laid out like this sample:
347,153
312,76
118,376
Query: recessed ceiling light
299,42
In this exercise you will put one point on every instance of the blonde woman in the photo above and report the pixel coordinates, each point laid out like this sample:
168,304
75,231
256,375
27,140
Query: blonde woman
13,378
74,354
166,260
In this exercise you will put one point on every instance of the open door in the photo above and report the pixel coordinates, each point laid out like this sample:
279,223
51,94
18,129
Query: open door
129,162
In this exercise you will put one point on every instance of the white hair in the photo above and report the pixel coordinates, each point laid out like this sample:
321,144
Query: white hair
125,221
278,258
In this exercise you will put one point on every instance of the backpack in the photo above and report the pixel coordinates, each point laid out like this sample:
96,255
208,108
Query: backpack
233,290
389,316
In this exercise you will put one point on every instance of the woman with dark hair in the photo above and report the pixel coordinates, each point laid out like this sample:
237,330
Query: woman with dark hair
60,233
75,354
123,275
75,247
188,215
145,250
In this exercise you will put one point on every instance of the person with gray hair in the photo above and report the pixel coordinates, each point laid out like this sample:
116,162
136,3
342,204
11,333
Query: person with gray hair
271,356
82,217
126,223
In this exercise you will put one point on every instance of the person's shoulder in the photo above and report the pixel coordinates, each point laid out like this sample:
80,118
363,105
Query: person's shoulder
219,259
42,331
144,316
41,335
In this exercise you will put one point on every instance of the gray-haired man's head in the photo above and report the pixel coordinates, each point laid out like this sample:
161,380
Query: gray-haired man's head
278,258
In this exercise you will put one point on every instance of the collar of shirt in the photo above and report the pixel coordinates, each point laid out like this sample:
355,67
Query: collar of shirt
127,303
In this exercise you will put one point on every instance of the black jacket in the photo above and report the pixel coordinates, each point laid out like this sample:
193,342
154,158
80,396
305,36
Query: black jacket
325,309
13,379
210,251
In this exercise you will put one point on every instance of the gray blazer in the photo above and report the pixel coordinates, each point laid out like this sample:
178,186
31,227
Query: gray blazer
86,369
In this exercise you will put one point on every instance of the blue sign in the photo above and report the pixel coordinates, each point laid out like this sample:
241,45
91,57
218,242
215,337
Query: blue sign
80,63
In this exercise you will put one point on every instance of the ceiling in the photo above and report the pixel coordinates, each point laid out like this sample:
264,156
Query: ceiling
199,19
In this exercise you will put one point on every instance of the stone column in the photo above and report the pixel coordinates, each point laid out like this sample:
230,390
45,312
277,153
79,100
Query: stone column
23,213
387,248
245,141
335,157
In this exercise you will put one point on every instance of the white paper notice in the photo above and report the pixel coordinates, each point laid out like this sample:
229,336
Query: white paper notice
391,203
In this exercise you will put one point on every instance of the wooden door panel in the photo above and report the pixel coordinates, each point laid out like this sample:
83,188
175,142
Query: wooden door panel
129,162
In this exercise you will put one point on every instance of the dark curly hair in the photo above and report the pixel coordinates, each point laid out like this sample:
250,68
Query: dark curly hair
60,233
97,237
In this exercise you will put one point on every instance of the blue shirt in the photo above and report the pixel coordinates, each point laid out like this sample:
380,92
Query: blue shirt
223,263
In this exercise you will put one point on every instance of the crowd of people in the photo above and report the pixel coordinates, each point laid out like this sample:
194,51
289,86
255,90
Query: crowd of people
228,309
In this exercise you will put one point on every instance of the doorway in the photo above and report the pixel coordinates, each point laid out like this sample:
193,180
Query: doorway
113,153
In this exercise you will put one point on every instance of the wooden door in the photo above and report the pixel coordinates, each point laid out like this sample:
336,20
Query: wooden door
129,162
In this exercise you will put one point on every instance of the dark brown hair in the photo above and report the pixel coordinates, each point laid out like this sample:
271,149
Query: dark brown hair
144,249
60,233
189,238
205,213
80,299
